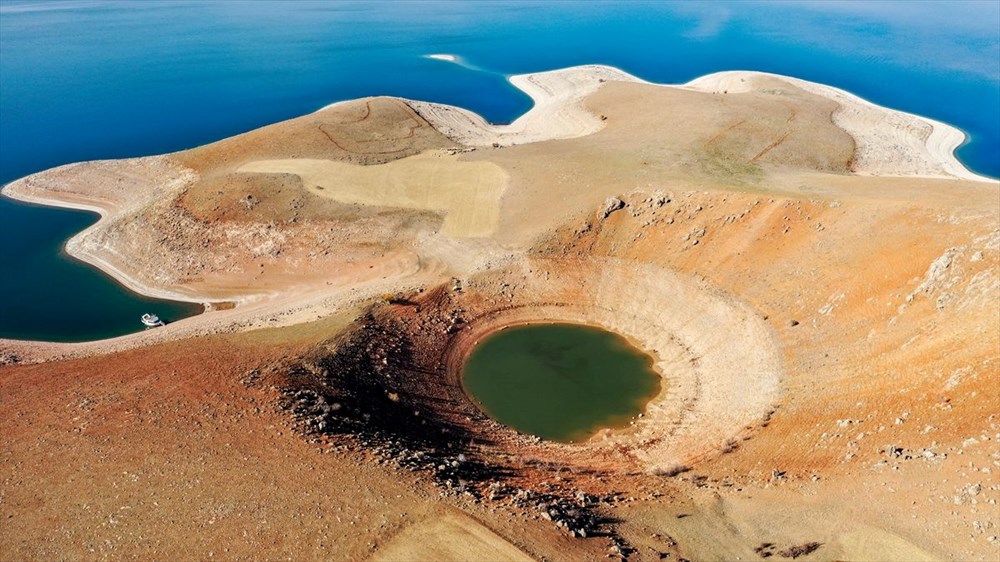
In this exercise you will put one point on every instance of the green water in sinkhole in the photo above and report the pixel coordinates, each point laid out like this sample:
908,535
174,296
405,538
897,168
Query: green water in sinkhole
561,382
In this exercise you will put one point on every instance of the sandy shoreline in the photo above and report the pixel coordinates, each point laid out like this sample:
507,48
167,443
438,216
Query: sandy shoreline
74,249
868,122
557,112
297,306
889,143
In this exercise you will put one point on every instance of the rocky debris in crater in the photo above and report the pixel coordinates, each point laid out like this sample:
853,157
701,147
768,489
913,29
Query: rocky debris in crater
357,393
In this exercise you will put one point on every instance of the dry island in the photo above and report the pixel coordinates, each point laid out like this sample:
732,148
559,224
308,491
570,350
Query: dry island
814,278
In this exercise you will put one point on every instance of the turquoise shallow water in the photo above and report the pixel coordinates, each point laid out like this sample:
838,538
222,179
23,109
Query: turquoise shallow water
82,80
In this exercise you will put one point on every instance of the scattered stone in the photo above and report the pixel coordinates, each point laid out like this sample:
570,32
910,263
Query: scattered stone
612,204
9,358
765,550
934,274
980,526
800,550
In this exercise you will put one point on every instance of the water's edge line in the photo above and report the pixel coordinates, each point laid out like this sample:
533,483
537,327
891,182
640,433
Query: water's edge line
943,151
940,144
94,260
949,136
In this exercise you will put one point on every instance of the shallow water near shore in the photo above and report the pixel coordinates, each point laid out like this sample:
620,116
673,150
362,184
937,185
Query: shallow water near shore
86,80
76,301
561,382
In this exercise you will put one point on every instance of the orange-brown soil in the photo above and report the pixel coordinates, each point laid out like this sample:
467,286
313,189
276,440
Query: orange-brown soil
180,451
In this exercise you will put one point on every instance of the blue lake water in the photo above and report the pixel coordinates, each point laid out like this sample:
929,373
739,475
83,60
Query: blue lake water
82,80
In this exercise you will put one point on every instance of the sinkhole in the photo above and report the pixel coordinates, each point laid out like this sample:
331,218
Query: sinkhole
561,382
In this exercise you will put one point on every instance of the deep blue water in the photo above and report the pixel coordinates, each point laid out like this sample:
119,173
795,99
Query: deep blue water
82,80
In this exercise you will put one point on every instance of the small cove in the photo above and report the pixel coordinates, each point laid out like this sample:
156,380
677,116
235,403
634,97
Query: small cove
561,382
55,297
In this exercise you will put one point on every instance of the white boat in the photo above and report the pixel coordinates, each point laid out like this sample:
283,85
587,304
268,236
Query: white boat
151,320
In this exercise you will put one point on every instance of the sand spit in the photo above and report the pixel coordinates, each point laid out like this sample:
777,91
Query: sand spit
557,112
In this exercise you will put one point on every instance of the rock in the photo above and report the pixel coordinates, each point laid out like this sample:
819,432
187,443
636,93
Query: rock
612,204
980,526
934,273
